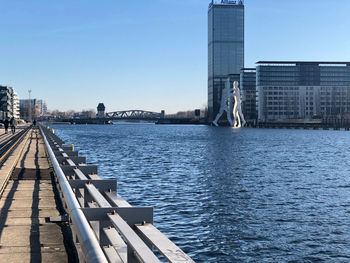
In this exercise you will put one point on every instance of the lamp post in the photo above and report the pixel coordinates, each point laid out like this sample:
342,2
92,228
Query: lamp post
30,107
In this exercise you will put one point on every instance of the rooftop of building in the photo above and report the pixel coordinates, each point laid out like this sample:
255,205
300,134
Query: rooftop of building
295,63
226,2
248,69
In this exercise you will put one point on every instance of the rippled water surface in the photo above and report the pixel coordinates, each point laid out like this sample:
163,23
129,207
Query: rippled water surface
224,195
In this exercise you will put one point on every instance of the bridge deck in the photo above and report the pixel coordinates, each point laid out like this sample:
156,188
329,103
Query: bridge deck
30,197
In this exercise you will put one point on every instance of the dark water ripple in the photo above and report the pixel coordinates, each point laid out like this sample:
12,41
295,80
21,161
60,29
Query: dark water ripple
224,195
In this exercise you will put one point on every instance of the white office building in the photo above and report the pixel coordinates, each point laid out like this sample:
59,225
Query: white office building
15,105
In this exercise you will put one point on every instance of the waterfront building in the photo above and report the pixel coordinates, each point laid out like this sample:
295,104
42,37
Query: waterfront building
294,90
29,109
9,103
37,106
225,48
41,104
6,94
85,114
15,104
249,94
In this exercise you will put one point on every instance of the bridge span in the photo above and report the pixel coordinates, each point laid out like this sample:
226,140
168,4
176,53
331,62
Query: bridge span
134,115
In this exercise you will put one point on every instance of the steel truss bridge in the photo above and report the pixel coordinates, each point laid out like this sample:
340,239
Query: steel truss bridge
134,115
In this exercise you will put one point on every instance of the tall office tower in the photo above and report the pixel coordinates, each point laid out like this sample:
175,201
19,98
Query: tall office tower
225,48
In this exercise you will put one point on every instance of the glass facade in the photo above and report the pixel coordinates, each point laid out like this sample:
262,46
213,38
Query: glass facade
303,90
225,48
249,94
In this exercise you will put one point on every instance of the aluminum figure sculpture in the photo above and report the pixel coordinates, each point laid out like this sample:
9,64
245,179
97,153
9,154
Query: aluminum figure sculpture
226,104
238,117
231,103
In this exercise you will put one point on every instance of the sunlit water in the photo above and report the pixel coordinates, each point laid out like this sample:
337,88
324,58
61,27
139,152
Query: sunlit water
224,195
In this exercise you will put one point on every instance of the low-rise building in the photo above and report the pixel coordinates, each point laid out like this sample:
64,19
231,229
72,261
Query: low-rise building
85,114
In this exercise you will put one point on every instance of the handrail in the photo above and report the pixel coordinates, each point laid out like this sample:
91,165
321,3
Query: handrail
89,243
144,254
107,226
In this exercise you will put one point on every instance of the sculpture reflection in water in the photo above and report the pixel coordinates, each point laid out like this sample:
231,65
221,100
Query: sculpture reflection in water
231,103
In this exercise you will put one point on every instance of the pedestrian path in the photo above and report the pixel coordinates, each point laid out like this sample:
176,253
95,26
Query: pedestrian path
28,201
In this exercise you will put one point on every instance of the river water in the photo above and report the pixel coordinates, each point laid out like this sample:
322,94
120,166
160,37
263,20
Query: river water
225,195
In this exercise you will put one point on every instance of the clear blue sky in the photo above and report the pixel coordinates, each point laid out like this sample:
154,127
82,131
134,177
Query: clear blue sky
149,55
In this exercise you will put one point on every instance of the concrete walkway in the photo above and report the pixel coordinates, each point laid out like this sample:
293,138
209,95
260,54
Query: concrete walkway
30,198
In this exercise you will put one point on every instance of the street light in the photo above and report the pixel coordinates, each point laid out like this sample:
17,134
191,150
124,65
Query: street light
30,107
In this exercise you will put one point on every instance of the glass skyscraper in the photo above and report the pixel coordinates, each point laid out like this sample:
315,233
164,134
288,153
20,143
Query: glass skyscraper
225,48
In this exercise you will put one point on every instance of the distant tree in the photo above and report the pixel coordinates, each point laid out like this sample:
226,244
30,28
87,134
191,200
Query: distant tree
54,113
70,113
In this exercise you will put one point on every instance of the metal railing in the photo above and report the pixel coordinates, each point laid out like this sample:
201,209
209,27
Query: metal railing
105,227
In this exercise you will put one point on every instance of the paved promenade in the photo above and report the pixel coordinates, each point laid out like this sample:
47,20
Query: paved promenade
29,199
